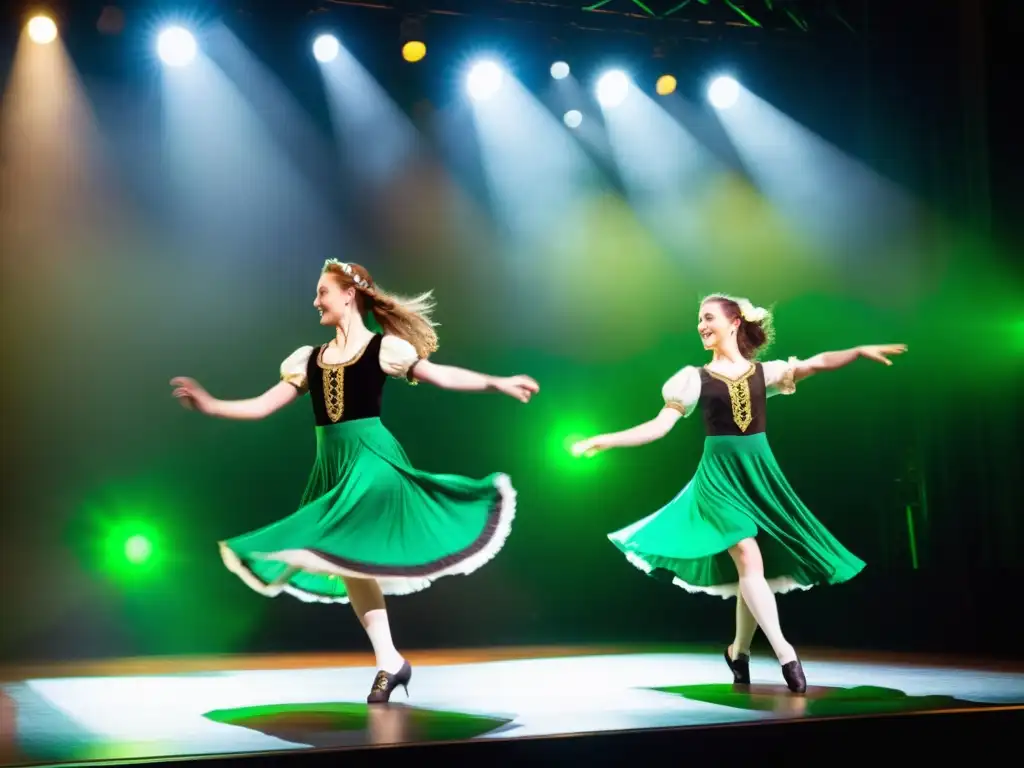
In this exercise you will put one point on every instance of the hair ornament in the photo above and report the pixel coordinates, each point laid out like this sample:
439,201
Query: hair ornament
750,313
347,269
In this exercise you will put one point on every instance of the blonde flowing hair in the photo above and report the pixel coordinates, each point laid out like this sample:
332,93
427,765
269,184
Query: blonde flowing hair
402,316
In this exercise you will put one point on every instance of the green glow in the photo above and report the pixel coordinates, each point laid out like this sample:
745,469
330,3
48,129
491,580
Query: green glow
566,433
131,547
138,549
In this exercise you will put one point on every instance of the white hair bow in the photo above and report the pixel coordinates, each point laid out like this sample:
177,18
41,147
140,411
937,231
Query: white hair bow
751,313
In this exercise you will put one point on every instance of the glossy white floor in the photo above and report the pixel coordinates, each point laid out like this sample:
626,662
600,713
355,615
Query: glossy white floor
92,717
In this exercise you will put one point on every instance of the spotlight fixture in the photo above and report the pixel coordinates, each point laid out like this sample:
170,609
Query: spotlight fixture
176,46
325,48
414,51
484,80
666,84
411,32
723,92
42,30
612,88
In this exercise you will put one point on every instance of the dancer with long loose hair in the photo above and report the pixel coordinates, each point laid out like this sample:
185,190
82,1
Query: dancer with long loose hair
369,523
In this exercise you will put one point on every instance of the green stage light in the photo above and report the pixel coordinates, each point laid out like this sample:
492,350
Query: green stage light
138,549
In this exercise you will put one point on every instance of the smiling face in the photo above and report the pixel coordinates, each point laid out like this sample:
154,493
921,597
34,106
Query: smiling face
713,325
332,301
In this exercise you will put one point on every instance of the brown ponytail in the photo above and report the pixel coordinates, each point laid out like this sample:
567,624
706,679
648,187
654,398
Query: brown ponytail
405,317
754,335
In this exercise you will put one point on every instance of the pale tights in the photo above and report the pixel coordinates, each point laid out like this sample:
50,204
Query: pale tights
755,605
368,603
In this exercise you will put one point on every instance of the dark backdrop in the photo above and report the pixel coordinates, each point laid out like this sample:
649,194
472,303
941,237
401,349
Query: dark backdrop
99,314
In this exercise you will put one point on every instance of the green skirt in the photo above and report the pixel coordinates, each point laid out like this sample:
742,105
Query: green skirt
738,492
367,513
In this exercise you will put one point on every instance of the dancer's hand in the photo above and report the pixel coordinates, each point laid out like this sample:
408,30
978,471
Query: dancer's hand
522,388
191,394
879,352
589,447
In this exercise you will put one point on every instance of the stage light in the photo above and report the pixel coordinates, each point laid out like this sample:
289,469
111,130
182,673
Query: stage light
612,88
723,92
559,70
132,547
42,30
414,51
325,48
666,84
484,80
138,549
176,46
572,118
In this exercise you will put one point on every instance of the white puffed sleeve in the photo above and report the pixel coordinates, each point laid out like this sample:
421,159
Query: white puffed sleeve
397,357
779,376
293,369
682,391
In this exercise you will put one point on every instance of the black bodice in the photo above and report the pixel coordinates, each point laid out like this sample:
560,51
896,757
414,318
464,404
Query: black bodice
346,392
733,406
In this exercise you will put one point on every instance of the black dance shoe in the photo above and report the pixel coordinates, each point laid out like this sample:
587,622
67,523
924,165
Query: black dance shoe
385,684
793,674
740,668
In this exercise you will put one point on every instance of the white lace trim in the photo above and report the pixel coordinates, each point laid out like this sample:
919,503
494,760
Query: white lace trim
304,560
780,585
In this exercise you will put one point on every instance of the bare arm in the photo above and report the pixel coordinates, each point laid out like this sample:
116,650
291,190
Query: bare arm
522,388
831,361
449,377
641,434
193,396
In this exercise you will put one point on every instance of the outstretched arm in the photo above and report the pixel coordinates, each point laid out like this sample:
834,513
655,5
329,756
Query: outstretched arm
641,434
679,394
462,380
831,361
193,396
450,377
293,384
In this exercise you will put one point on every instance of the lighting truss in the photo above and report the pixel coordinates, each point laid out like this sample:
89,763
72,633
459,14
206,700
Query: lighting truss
806,17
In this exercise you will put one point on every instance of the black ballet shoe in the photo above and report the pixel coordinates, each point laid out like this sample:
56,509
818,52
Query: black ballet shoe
384,684
793,674
740,668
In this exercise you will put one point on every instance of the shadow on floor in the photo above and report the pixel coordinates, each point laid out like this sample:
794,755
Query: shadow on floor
819,701
350,725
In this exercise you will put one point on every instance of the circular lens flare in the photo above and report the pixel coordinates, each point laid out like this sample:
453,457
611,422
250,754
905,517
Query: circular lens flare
325,48
573,118
137,549
559,70
176,47
42,30
484,80
723,92
612,88
414,51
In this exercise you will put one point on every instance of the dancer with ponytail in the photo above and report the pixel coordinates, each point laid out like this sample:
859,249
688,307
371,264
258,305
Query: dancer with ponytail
369,523
737,529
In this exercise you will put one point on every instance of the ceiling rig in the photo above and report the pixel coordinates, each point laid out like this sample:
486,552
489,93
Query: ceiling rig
794,17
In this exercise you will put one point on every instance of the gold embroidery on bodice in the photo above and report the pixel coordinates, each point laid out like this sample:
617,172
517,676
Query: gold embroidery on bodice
334,382
739,396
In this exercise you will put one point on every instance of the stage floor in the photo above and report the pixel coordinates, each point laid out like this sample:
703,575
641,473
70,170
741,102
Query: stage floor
150,708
